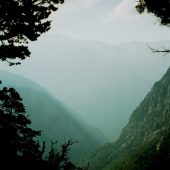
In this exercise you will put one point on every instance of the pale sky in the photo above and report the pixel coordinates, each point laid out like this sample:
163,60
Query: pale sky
112,21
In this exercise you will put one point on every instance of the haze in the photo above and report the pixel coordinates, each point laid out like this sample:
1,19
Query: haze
96,60
111,21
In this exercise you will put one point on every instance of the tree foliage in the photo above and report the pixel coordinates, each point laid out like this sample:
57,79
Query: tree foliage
19,148
151,155
22,21
17,138
160,8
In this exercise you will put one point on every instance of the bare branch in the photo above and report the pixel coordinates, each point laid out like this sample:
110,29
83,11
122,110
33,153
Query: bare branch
12,63
164,51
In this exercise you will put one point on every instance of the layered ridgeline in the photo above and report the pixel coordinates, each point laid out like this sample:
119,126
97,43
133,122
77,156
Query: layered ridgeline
95,78
51,116
145,141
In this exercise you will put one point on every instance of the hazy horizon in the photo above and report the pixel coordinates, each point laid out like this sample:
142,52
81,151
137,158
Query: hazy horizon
95,59
109,21
101,82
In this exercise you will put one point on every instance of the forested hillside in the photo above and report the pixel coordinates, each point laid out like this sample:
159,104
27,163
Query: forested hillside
91,70
144,141
53,118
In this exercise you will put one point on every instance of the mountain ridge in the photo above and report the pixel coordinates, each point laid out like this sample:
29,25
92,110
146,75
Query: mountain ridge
90,76
149,123
53,117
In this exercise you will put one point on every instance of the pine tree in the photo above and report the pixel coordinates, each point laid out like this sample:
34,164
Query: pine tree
17,138
19,148
22,21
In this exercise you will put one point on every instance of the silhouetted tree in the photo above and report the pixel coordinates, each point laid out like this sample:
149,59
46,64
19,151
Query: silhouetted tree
19,148
22,21
17,138
59,159
160,8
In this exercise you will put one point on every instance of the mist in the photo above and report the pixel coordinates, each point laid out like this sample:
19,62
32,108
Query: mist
85,84
102,83
96,60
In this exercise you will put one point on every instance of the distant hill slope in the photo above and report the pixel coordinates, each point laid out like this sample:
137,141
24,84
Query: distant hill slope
145,136
52,117
95,78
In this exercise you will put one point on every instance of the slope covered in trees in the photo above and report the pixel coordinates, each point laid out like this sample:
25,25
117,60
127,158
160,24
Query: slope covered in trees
56,121
18,145
145,139
22,21
90,76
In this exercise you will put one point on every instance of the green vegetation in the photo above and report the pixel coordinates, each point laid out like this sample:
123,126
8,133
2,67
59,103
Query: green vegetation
149,156
144,142
22,21
53,116
18,145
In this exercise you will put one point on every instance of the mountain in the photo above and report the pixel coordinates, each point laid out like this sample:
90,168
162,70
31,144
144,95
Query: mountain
144,141
56,120
95,78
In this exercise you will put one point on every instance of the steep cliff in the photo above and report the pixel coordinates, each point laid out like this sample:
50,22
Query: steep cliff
147,129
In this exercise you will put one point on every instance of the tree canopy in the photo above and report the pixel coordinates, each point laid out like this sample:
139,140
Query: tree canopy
160,8
22,21
17,138
19,146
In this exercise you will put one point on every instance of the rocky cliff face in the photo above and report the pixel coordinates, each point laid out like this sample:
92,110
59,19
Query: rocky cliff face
149,122
151,118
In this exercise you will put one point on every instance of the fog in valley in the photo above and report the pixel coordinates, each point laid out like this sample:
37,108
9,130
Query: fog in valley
101,83
96,61
85,84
